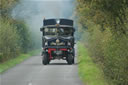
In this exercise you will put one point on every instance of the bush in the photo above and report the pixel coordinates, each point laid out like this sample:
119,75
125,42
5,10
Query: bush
9,41
14,34
108,35
110,51
14,38
115,49
24,35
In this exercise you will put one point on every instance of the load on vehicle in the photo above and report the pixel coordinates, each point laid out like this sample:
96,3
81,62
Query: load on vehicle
58,40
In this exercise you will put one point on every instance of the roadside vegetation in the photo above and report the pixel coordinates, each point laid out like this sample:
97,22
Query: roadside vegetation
89,72
103,25
15,38
12,62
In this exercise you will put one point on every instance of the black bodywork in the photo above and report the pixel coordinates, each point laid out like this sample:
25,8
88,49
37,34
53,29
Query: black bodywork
58,40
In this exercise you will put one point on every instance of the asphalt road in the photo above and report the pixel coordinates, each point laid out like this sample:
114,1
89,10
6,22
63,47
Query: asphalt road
32,72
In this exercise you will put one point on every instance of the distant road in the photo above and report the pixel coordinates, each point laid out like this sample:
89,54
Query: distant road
32,72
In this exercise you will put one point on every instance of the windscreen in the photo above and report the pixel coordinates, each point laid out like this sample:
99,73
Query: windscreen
58,31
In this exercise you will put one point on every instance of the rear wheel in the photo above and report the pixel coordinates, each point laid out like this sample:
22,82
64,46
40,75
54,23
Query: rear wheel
45,59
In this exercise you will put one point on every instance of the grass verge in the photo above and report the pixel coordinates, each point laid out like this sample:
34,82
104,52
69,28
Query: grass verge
89,72
10,63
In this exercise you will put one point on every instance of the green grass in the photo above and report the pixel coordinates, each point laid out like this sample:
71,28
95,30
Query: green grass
89,72
10,63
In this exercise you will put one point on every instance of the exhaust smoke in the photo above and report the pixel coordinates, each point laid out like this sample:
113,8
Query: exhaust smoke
34,11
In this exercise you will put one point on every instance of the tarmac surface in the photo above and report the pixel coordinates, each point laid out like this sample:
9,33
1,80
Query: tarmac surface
33,72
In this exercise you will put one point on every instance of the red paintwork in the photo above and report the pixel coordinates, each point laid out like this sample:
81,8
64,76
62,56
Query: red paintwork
63,49
49,52
53,49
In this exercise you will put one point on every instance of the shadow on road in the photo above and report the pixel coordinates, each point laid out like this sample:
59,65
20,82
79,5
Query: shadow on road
61,64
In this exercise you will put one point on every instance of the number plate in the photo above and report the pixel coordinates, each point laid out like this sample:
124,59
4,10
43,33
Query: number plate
58,52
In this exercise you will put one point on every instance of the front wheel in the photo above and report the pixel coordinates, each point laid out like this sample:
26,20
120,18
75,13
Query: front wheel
70,59
73,60
45,59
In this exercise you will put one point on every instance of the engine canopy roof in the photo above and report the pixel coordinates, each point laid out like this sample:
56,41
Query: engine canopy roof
61,22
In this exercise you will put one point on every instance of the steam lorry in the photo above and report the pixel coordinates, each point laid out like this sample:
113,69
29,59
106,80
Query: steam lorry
58,40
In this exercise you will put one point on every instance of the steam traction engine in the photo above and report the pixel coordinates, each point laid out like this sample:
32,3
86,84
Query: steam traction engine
58,40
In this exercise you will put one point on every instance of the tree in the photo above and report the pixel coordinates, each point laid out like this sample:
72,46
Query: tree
106,21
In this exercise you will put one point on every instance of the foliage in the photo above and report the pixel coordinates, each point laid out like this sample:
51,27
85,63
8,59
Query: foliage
14,38
24,34
92,74
9,44
14,34
107,13
115,50
108,35
6,6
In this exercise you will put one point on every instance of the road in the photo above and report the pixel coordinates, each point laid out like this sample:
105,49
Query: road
32,72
